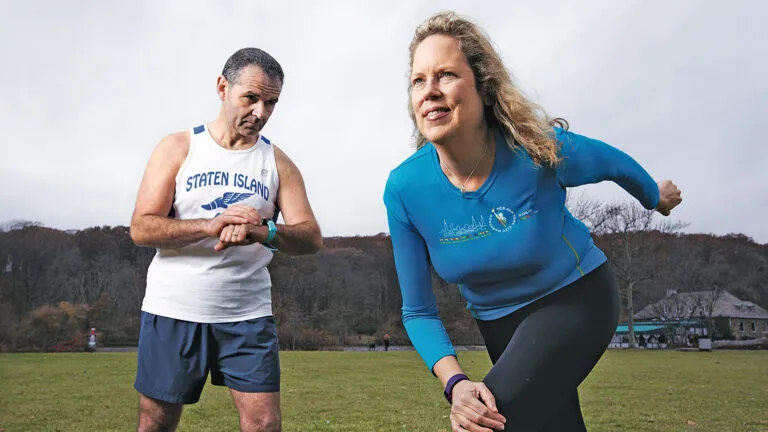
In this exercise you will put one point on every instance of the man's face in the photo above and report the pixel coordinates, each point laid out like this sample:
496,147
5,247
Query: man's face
249,100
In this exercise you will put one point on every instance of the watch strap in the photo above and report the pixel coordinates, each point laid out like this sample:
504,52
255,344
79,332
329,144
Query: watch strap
452,381
272,231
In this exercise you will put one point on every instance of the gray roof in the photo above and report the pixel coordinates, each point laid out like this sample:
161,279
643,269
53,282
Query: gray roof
690,304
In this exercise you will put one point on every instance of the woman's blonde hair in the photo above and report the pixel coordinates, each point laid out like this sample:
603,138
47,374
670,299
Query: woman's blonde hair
522,122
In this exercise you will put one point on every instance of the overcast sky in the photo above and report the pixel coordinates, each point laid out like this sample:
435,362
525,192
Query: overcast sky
90,87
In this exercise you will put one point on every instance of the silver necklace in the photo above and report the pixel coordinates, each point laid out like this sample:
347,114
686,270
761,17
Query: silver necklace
453,174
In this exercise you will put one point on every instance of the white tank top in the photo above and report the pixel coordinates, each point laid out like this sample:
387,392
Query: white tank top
196,283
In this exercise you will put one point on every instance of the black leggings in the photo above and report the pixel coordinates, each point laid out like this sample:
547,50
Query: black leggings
542,352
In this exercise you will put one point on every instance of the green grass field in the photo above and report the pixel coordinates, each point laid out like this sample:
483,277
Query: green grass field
392,391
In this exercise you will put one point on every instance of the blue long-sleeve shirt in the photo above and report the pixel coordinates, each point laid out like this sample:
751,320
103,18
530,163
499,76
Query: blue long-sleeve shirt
507,244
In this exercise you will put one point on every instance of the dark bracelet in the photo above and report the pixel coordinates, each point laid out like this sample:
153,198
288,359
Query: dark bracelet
452,381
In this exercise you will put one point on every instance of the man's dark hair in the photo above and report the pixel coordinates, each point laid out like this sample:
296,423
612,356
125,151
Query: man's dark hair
251,56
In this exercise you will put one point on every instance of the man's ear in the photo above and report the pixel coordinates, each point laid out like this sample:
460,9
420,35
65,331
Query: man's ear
222,86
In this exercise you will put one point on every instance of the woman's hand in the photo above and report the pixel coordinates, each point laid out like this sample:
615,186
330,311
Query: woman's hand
669,197
474,408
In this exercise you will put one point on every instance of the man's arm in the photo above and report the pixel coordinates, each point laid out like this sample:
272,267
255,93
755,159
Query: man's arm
150,224
301,232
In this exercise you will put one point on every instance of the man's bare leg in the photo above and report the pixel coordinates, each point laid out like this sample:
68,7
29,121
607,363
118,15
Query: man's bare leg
158,416
259,412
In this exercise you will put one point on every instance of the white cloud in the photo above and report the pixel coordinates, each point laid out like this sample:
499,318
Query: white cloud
89,91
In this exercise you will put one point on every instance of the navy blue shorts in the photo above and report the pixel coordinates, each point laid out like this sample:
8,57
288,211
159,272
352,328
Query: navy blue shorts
175,357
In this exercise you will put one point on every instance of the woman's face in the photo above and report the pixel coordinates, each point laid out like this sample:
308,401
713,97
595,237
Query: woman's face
444,98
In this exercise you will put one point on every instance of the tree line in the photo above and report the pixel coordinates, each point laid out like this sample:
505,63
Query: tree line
55,285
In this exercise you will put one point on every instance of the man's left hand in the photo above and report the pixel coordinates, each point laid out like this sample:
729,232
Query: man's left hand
240,235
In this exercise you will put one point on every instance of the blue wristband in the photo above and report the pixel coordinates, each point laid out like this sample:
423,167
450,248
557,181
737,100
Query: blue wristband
272,231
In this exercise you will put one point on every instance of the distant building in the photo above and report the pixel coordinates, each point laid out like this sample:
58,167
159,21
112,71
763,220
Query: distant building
745,319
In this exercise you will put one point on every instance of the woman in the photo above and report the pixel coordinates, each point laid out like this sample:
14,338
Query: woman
483,202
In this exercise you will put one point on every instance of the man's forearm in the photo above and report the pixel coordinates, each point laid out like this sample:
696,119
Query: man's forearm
299,239
166,233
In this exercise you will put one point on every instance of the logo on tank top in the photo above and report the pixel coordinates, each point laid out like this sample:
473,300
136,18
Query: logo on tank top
250,185
225,200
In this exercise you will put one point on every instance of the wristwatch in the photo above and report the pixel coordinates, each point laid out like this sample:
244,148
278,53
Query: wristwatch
272,230
452,381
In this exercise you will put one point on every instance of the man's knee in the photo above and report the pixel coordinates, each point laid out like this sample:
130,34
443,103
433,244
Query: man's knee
265,422
158,416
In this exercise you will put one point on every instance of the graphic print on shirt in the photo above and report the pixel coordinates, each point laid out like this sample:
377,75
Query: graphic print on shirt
225,200
251,187
459,234
501,220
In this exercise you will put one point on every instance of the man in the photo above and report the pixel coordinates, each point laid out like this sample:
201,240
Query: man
208,202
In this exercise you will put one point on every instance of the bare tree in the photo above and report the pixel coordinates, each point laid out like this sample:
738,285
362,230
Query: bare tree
679,310
705,303
17,224
624,226
700,278
589,210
